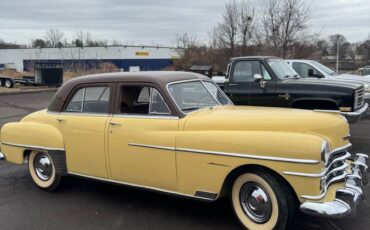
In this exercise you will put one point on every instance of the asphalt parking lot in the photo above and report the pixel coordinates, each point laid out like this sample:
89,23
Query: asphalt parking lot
84,204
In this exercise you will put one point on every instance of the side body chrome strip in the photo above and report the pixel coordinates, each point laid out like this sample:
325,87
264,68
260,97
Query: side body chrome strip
152,146
31,146
281,159
143,187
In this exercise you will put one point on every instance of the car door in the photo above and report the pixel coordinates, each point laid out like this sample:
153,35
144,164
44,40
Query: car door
83,124
142,138
244,89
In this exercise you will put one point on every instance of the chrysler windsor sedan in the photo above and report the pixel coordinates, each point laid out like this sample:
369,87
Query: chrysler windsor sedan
177,133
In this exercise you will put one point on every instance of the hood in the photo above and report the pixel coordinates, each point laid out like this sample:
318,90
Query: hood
352,78
326,82
331,126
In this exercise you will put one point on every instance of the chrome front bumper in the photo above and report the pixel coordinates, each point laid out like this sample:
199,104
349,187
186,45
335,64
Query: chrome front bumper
347,199
2,157
356,115
367,97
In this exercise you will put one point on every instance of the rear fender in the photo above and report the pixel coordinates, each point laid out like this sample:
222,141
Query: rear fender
19,137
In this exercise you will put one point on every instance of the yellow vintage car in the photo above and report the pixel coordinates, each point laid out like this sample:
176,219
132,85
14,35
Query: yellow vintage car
178,133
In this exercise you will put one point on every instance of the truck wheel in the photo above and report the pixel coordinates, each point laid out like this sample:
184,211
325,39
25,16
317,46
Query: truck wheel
42,171
8,83
261,202
1,83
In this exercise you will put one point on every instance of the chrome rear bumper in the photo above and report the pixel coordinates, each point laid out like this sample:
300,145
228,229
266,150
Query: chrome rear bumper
347,199
2,157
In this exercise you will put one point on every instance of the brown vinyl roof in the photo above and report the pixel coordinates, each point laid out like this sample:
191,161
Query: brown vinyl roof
159,78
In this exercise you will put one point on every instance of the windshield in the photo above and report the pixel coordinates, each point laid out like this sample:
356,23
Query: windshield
194,95
282,69
323,68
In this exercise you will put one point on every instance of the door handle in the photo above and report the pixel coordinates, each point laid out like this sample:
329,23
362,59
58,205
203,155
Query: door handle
233,84
114,124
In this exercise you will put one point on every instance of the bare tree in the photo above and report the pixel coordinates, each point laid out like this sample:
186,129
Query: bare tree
284,21
246,17
336,40
228,28
38,43
188,47
54,37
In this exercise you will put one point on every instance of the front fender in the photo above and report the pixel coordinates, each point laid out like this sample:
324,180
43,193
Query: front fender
17,137
206,158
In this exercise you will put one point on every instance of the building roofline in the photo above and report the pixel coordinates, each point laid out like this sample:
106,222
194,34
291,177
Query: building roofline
86,47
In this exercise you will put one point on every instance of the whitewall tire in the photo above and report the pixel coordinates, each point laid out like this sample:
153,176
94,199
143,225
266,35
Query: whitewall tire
261,202
42,171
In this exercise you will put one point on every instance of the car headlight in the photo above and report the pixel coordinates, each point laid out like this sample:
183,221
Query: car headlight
325,151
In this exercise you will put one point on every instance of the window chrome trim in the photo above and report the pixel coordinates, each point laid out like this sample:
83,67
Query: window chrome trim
249,156
85,114
143,187
31,146
83,100
164,117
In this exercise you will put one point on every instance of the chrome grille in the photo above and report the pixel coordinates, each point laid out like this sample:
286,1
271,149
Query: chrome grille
359,98
335,169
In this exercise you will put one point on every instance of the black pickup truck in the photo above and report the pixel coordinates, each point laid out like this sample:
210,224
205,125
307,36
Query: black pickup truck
270,81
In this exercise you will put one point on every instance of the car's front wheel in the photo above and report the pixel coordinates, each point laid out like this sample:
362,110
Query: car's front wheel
42,171
261,202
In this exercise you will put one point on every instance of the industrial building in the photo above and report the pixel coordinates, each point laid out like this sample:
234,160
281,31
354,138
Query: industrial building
50,61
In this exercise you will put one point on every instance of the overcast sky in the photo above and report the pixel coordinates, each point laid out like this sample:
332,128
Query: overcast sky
156,21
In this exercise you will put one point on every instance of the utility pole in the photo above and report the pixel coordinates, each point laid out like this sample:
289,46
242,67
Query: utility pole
337,53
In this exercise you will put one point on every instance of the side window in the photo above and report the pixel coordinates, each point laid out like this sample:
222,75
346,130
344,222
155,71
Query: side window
90,100
244,71
158,106
302,69
141,100
216,92
75,105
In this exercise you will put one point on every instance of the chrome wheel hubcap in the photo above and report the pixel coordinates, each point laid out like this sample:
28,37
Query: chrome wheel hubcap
43,167
255,202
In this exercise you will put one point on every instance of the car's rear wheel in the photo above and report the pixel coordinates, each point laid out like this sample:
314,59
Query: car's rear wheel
261,202
42,171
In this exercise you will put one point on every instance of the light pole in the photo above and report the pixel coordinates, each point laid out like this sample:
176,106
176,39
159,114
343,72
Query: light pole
338,53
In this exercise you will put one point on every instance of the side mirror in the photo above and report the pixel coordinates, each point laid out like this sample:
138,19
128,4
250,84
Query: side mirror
258,77
310,72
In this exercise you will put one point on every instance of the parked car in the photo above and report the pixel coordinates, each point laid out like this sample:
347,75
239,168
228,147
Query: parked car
178,133
365,71
270,81
314,69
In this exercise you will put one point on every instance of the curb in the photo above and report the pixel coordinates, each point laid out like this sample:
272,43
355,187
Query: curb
28,92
